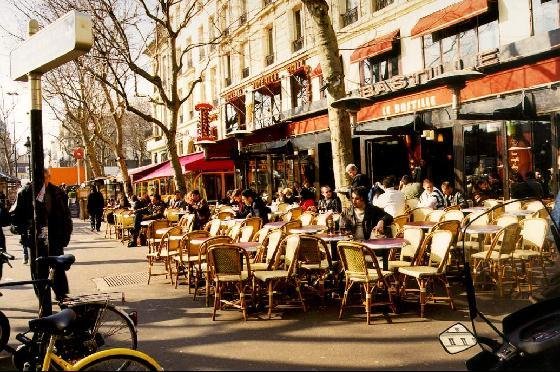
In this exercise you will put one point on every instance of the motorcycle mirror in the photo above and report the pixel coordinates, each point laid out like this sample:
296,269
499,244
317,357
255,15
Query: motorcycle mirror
457,338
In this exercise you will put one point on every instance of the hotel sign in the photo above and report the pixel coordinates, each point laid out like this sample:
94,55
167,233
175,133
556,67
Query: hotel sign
273,77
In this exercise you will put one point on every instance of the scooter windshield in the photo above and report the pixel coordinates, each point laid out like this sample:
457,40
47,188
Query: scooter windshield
507,256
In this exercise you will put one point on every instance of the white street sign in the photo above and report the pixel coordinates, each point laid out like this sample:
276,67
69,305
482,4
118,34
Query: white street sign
65,39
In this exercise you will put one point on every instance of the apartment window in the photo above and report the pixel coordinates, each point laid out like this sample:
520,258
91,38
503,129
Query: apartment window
202,48
269,58
245,60
180,148
301,89
298,31
464,43
545,15
202,86
379,68
351,14
211,33
213,87
155,158
235,114
242,12
189,53
268,105
228,69
380,4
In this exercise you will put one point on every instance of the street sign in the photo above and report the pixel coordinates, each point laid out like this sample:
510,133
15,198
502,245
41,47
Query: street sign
65,39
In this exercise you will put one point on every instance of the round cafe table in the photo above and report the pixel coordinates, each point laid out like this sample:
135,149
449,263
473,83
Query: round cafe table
310,229
424,225
274,225
482,230
520,213
474,209
250,247
383,246
332,239
146,223
163,230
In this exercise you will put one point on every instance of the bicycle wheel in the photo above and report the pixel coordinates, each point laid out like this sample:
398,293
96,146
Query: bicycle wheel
99,326
118,360
4,330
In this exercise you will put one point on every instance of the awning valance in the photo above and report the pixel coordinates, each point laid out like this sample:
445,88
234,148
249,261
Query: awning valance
375,47
317,71
395,126
449,16
189,163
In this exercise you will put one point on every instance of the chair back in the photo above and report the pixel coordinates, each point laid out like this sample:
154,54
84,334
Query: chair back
312,249
452,226
260,236
283,207
156,225
192,249
203,250
214,226
255,222
420,214
296,212
439,242
489,203
453,214
455,207
171,214
353,257
307,218
401,220
291,225
235,231
290,248
189,222
484,218
246,234
227,259
225,215
171,244
411,203
506,219
127,220
272,242
435,216
516,205
534,205
534,232
505,241
287,216
414,238
541,213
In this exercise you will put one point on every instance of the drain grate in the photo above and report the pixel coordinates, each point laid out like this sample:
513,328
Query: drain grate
122,280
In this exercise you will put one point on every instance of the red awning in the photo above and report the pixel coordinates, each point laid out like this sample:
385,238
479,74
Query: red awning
317,71
450,16
375,47
137,173
191,162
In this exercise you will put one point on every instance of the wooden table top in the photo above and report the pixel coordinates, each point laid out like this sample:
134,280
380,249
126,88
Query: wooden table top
420,224
483,229
385,243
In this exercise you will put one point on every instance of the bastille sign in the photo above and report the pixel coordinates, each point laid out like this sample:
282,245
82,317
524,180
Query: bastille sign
65,39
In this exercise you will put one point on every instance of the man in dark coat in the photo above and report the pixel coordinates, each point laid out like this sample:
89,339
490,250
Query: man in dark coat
254,206
200,208
363,218
95,204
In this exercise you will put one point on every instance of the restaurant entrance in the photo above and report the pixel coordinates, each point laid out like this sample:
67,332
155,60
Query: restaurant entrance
386,156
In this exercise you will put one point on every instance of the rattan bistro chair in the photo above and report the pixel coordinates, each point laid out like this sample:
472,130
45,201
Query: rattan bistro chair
373,281
188,256
427,270
315,263
166,250
201,267
229,266
282,272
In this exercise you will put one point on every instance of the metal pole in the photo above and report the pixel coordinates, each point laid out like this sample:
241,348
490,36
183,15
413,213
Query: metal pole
40,248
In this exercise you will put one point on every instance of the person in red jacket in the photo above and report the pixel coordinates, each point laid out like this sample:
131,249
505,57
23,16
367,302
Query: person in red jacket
307,201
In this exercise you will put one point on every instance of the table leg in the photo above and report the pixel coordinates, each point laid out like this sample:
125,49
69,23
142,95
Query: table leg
385,256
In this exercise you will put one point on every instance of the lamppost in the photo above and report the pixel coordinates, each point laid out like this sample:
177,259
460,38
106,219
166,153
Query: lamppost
27,145
14,94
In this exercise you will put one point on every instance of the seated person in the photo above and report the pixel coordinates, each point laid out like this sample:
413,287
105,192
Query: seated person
287,196
482,192
452,197
140,206
432,197
254,206
392,201
178,202
410,188
235,201
227,199
329,201
363,219
307,200
199,207
156,208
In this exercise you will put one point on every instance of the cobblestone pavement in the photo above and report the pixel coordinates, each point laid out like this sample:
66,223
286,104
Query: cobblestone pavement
180,334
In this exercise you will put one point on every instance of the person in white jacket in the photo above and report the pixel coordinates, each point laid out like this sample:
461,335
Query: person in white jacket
392,201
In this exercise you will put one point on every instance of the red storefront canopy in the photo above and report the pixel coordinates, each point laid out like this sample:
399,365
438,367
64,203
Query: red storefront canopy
450,16
375,47
189,163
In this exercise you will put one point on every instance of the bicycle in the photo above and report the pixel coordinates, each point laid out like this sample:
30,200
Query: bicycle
98,325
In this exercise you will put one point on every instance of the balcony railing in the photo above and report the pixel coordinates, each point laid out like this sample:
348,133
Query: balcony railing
228,81
202,52
242,19
350,17
380,4
267,2
297,44
245,72
269,59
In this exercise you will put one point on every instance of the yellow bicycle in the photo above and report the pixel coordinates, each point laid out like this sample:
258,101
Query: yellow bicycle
54,326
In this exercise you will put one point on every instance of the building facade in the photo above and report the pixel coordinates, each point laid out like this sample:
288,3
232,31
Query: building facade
413,59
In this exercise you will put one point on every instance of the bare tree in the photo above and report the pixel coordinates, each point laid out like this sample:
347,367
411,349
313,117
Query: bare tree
339,120
6,140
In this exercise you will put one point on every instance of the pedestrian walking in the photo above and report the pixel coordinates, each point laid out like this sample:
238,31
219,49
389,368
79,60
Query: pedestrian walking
95,204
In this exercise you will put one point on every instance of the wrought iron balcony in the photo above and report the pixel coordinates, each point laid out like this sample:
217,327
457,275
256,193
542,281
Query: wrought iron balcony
350,16
297,44
267,2
245,72
269,59
242,19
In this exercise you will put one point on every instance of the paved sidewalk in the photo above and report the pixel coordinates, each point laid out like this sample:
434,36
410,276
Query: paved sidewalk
180,334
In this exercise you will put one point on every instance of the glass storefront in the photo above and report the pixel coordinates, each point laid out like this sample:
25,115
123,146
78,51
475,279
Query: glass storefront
525,146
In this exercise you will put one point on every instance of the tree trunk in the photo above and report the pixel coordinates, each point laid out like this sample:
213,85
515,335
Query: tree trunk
174,159
91,152
339,120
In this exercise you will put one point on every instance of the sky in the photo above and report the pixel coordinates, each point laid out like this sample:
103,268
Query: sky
14,23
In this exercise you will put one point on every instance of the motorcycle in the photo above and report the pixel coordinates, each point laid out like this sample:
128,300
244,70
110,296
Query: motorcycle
529,338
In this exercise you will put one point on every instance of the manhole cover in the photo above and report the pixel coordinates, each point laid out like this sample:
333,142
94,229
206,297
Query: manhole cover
121,280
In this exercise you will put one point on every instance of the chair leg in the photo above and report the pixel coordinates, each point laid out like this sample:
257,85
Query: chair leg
422,286
300,295
448,290
149,269
368,302
344,299
242,301
207,289
270,298
216,300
